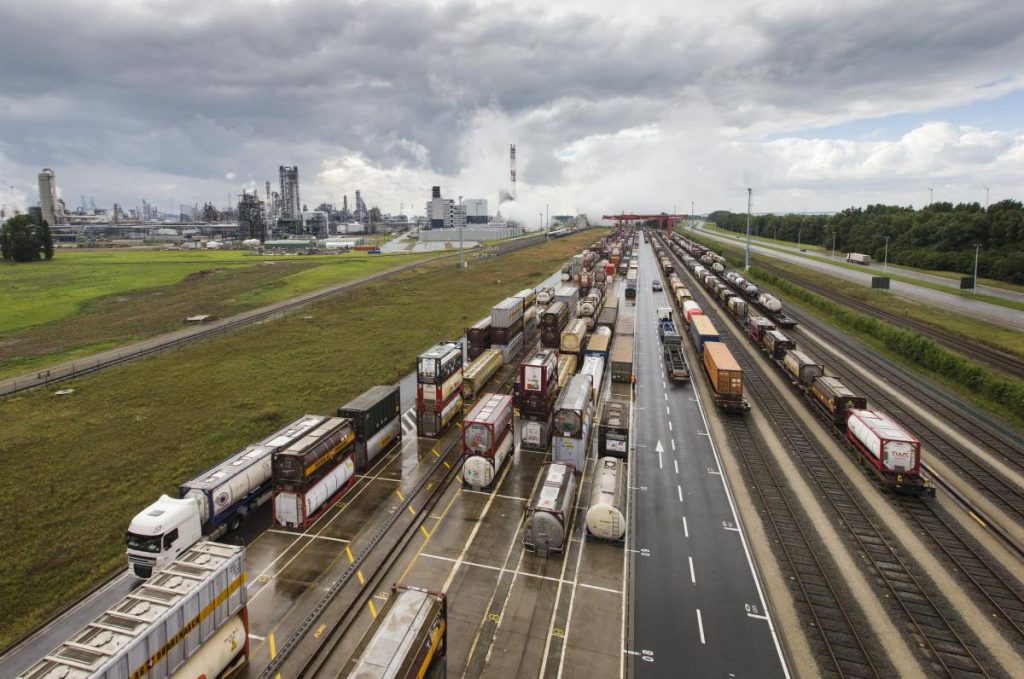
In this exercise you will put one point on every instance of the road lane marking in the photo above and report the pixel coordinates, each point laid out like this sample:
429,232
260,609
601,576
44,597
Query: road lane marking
675,463
735,528
700,624
670,425
693,578
673,442
686,529
359,574
666,398
667,411
314,537
259,638
411,511
373,609
425,533
660,466
680,489
399,494
273,646
348,553
755,615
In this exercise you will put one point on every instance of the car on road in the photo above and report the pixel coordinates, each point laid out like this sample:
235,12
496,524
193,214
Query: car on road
656,285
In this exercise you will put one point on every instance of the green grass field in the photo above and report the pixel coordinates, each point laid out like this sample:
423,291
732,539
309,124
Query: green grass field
83,301
80,466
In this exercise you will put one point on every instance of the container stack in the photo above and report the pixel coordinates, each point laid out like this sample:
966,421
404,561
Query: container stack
478,337
536,390
438,389
312,472
377,421
507,327
569,295
487,441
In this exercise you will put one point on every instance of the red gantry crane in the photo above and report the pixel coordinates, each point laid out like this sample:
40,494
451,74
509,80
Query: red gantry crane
665,221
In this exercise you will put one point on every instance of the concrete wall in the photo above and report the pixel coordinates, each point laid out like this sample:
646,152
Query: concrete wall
469,233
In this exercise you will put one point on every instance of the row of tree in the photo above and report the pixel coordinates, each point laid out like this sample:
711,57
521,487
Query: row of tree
940,236
25,238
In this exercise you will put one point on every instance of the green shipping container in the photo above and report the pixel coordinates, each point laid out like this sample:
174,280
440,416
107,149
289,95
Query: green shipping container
372,410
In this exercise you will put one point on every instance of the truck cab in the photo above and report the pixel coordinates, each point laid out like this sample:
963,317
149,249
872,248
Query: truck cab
160,533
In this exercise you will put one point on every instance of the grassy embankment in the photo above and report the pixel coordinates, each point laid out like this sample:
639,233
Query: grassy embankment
980,384
82,302
820,254
80,467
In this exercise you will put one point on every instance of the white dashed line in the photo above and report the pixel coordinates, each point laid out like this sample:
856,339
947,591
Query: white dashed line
675,463
670,425
673,442
660,466
700,625
667,411
693,578
680,489
686,529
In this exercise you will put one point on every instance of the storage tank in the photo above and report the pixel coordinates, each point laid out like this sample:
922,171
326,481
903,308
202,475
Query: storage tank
590,304
299,508
606,512
535,432
566,368
593,365
802,367
572,406
769,302
573,337
886,441
549,513
480,471
545,296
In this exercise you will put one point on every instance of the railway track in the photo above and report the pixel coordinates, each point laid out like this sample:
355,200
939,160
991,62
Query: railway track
1002,361
843,648
1005,493
309,650
80,369
934,626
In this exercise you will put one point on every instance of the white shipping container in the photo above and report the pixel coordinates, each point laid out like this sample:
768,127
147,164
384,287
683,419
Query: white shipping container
506,312
294,509
433,392
152,631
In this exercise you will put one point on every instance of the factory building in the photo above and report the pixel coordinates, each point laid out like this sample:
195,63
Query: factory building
51,207
251,222
476,210
438,209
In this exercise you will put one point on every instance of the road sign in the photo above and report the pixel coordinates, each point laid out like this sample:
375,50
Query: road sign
879,282
967,283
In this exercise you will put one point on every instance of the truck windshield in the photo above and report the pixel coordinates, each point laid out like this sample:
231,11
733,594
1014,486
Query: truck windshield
143,543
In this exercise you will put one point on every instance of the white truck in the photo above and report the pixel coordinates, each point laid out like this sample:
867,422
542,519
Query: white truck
858,258
211,504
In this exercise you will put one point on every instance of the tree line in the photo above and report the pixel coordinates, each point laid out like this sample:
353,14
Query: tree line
25,238
941,236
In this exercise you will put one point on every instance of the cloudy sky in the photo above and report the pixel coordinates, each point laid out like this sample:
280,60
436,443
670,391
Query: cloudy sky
613,105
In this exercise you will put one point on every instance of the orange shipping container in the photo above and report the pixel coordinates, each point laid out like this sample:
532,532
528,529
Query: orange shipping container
724,372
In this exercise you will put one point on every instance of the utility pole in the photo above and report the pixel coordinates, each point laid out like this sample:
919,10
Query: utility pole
986,199
693,221
931,195
833,245
547,217
746,264
977,246
457,213
885,264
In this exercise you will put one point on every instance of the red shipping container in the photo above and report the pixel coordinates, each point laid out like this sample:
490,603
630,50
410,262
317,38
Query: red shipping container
486,424
539,371
433,396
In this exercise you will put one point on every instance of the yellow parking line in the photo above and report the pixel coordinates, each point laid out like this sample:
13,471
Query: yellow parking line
348,552
373,609
447,465
399,494
434,451
273,647
411,510
427,540
425,533
359,574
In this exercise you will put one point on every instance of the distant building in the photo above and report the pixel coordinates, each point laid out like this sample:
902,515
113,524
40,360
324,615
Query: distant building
290,206
476,210
251,222
438,209
52,208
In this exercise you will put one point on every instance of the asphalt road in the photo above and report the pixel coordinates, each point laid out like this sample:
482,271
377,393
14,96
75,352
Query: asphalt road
953,301
698,610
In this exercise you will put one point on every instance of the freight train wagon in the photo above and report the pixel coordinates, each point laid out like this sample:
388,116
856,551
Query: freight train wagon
408,638
186,614
726,377
613,429
481,369
892,451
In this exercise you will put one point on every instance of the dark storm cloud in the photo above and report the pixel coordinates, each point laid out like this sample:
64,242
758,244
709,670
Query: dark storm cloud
195,88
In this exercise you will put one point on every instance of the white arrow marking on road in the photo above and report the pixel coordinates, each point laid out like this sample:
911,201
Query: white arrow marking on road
659,447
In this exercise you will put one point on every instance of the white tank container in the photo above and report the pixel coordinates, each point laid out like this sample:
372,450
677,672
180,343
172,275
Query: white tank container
606,512
885,439
769,302
295,509
379,442
479,471
221,655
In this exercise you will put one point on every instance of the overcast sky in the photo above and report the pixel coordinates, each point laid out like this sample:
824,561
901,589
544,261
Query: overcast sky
640,106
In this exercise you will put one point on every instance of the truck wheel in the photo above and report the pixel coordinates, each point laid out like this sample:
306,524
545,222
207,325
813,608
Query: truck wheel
235,522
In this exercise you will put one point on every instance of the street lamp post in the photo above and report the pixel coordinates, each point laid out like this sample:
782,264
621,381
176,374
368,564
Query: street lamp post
746,262
885,264
833,245
977,246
